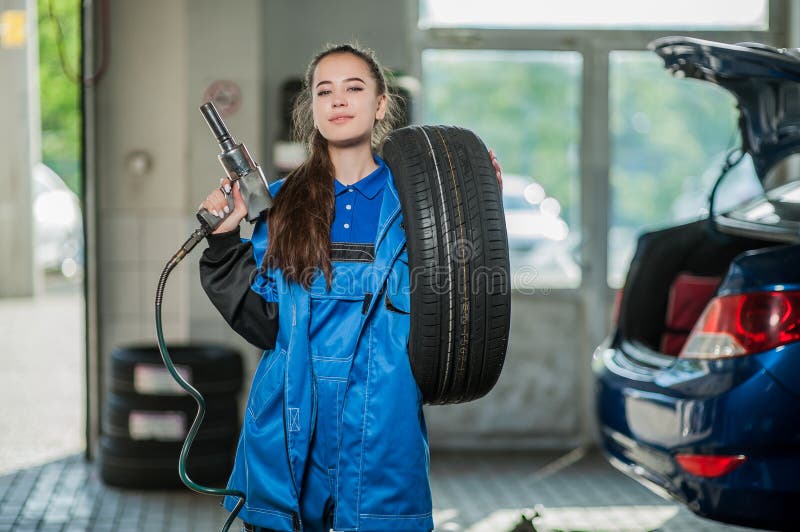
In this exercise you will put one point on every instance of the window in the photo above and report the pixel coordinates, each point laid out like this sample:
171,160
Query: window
526,106
676,14
669,139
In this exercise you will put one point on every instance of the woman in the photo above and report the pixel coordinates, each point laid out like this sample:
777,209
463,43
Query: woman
333,435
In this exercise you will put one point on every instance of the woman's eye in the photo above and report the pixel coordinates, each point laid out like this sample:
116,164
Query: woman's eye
355,89
323,92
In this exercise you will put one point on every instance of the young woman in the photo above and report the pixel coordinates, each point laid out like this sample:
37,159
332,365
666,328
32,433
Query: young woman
333,435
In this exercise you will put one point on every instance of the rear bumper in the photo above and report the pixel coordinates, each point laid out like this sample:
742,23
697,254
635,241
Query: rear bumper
720,501
646,416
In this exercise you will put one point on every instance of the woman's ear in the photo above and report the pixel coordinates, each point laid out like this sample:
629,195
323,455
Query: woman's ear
381,112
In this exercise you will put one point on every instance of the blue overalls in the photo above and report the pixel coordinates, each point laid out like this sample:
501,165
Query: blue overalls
357,209
334,418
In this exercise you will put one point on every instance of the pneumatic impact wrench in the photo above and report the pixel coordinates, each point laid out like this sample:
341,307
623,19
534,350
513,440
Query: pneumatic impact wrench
240,168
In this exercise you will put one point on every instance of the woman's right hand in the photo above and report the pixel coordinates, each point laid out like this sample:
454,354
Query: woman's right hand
217,204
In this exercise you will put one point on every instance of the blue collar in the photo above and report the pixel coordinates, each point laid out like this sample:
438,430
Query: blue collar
368,186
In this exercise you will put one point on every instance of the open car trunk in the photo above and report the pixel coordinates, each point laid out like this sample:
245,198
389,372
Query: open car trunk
672,276
676,271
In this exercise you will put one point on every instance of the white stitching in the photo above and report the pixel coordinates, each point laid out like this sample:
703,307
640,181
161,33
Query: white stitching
364,421
333,359
358,248
338,420
294,419
274,512
404,516
333,379
390,218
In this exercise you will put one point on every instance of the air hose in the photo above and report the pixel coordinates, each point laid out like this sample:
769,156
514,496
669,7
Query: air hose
187,247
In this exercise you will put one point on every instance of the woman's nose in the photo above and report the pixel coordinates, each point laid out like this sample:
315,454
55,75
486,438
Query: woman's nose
339,100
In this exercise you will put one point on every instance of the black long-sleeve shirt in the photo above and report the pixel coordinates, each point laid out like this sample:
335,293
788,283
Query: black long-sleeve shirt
227,270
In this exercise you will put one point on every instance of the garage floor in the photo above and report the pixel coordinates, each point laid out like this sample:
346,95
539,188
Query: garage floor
471,492
45,485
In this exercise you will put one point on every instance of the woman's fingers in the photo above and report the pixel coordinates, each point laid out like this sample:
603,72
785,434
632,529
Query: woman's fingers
498,170
216,202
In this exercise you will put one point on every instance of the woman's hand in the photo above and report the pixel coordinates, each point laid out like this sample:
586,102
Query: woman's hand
217,204
497,168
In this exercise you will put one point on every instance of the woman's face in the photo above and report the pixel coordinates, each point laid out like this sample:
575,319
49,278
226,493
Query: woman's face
345,99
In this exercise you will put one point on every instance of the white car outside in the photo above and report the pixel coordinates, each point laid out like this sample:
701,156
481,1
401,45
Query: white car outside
58,224
532,217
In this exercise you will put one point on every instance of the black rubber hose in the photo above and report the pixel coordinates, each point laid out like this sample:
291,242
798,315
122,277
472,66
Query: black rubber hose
187,247
732,158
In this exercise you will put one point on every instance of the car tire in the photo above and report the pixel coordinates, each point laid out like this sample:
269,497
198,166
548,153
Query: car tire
141,466
212,370
167,419
458,260
147,416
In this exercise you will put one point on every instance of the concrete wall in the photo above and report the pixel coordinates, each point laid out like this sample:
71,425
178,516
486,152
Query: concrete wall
538,400
142,217
225,43
164,56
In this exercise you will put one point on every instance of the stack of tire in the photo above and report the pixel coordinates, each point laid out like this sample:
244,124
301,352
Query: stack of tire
147,416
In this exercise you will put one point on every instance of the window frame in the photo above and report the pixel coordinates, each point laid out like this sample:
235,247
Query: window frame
688,27
595,142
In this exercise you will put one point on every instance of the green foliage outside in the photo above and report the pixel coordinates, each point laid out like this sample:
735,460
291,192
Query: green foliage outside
524,105
60,95
665,134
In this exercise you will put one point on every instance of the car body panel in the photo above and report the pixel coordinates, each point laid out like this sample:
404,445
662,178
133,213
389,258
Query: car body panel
775,215
649,409
645,423
651,406
773,268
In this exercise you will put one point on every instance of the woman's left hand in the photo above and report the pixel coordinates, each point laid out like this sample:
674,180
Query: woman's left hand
497,168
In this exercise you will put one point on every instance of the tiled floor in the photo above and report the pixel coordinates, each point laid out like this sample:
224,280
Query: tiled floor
476,492
571,491
45,484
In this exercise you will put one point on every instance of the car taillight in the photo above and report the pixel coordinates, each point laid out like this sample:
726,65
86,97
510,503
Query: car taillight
709,466
743,324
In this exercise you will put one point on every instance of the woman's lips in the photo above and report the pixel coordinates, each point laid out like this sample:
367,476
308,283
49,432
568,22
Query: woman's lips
340,119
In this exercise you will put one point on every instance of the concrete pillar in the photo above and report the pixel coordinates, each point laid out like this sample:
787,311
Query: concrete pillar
140,115
20,145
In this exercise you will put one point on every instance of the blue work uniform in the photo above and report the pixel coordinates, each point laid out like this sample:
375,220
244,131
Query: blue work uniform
353,231
360,459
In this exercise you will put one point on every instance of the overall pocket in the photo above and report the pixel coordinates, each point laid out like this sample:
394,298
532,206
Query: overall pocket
267,383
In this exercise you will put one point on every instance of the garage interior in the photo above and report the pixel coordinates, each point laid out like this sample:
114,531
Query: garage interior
149,160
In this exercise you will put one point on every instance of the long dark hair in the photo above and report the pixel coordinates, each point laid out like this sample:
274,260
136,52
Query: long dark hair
300,220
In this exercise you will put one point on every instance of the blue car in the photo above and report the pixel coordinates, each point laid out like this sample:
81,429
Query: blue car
698,387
